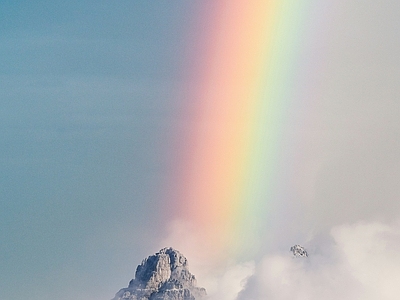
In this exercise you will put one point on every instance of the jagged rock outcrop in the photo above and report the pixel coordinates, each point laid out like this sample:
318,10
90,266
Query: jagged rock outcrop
163,276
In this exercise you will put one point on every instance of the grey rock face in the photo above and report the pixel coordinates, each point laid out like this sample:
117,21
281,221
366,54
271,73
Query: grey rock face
299,251
162,276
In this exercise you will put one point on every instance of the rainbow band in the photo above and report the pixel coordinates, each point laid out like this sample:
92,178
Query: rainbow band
242,88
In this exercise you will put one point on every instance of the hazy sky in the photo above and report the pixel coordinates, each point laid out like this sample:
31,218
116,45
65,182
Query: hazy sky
86,94
87,100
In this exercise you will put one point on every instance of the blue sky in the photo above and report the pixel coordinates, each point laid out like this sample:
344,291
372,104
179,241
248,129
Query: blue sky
86,89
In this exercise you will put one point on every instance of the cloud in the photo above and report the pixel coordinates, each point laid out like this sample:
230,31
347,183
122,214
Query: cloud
221,276
353,261
231,282
358,261
372,253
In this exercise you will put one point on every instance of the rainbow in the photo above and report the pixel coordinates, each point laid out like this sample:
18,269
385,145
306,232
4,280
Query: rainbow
243,67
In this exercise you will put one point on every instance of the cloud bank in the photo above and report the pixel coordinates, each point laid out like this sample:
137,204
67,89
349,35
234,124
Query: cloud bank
353,261
358,261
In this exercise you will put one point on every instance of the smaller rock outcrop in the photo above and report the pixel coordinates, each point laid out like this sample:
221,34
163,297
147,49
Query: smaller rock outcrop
299,251
162,276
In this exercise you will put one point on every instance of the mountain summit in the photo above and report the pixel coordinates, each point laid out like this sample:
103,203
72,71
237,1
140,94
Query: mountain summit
162,276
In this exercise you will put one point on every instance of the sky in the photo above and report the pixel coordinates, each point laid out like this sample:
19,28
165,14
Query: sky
90,102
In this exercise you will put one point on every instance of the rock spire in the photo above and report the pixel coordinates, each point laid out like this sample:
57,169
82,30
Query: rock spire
162,276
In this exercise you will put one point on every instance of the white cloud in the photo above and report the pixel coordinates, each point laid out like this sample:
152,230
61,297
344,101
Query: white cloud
361,263
355,261
372,254
220,275
227,286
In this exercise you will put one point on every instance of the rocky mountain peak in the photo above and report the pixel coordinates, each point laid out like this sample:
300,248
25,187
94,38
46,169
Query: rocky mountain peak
162,276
